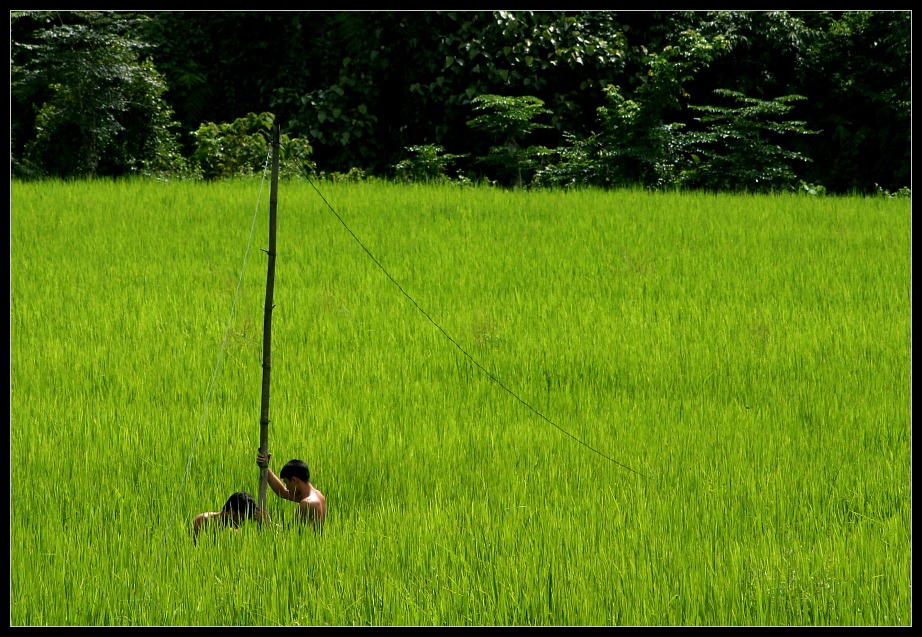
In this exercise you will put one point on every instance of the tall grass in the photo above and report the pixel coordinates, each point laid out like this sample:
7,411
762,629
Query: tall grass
696,409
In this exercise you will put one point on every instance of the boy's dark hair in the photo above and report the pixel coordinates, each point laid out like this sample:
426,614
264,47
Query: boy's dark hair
242,503
296,469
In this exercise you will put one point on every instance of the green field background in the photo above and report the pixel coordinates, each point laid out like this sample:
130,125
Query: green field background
524,408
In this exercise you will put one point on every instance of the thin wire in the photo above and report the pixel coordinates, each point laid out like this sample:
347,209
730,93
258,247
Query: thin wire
461,349
214,375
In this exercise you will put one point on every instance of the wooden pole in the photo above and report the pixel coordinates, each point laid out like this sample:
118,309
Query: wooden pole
267,321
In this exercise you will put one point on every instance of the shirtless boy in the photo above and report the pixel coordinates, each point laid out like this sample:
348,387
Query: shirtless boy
295,485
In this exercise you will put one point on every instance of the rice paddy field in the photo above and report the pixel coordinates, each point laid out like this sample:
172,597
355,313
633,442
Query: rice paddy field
524,408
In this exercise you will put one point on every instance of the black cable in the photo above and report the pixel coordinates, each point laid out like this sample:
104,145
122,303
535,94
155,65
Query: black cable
461,349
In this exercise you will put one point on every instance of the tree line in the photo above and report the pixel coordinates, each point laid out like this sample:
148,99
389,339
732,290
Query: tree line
817,101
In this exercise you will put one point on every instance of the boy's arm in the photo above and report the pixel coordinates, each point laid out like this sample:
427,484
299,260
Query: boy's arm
278,487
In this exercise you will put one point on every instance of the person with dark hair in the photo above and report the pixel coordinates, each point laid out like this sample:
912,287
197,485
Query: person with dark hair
239,507
295,485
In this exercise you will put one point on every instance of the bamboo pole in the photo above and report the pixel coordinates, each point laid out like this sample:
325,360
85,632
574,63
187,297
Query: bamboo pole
267,322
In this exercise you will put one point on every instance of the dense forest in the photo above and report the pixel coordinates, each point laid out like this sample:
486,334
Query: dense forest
815,101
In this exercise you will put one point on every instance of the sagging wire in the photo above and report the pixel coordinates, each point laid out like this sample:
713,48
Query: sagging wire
456,344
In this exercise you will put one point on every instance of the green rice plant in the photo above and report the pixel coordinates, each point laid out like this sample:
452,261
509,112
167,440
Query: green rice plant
577,408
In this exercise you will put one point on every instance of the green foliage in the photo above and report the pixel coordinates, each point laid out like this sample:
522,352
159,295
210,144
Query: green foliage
902,193
734,148
427,163
630,150
813,190
89,89
636,142
98,107
576,165
530,50
509,120
768,51
241,148
634,146
365,85
335,116
740,148
559,57
859,83
352,176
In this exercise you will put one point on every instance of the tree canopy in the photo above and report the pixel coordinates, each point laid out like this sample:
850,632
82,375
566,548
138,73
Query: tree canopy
605,98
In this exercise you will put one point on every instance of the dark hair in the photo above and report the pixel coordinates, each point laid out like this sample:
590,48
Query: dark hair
296,469
241,503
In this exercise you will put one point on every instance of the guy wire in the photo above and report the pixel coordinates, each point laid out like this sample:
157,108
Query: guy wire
214,374
456,344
